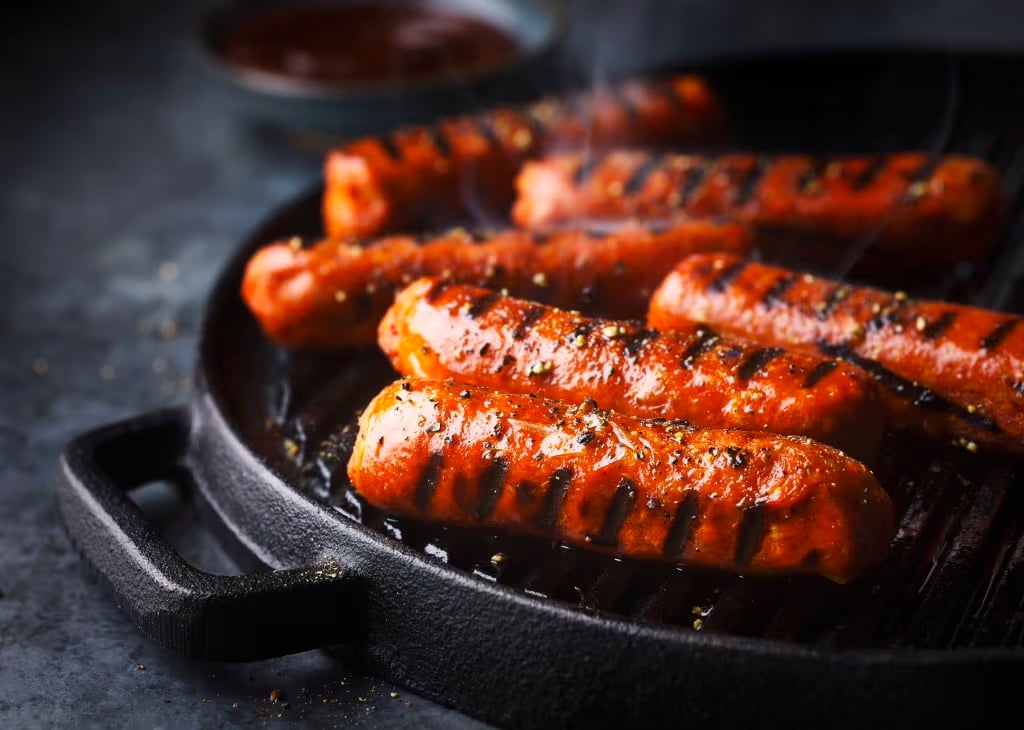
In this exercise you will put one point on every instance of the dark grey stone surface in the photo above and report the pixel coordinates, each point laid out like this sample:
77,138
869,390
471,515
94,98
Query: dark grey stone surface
126,183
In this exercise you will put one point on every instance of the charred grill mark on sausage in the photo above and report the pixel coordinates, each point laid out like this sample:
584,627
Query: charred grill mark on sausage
995,338
535,122
636,342
437,288
694,177
705,340
530,317
819,373
558,485
616,514
480,305
870,173
887,315
492,484
907,390
756,361
727,275
486,129
737,457
391,147
774,294
439,141
588,165
833,299
809,181
427,483
683,523
924,172
642,173
751,534
920,180
579,336
746,188
934,330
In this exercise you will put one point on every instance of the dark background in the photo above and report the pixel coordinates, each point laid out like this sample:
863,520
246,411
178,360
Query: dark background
127,181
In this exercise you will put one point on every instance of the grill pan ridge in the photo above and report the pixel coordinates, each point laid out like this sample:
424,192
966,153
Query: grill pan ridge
528,633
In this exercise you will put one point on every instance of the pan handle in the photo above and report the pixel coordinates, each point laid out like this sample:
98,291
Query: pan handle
223,618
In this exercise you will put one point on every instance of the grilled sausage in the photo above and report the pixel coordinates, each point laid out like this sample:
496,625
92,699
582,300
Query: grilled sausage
659,490
333,295
434,175
948,370
439,330
928,210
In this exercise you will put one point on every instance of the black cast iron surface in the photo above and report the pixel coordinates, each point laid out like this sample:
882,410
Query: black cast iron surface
118,160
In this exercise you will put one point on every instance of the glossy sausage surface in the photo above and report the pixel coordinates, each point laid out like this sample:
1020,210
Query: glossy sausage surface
657,490
333,295
922,209
439,330
425,176
949,370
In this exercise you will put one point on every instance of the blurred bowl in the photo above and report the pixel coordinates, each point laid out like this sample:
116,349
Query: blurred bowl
349,109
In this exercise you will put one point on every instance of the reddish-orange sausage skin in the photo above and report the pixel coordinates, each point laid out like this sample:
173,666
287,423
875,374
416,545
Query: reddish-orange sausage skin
437,329
656,490
921,209
333,295
433,175
946,369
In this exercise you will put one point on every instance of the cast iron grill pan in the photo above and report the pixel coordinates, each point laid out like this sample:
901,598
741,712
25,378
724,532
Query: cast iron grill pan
530,632
956,571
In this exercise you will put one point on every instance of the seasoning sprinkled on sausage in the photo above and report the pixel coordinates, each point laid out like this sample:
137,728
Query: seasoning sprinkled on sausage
630,368
794,506
929,210
294,294
947,370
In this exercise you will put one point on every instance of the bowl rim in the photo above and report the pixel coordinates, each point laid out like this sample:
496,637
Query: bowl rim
267,83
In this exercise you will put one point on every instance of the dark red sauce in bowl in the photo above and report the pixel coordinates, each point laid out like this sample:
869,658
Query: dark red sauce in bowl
359,44
353,67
